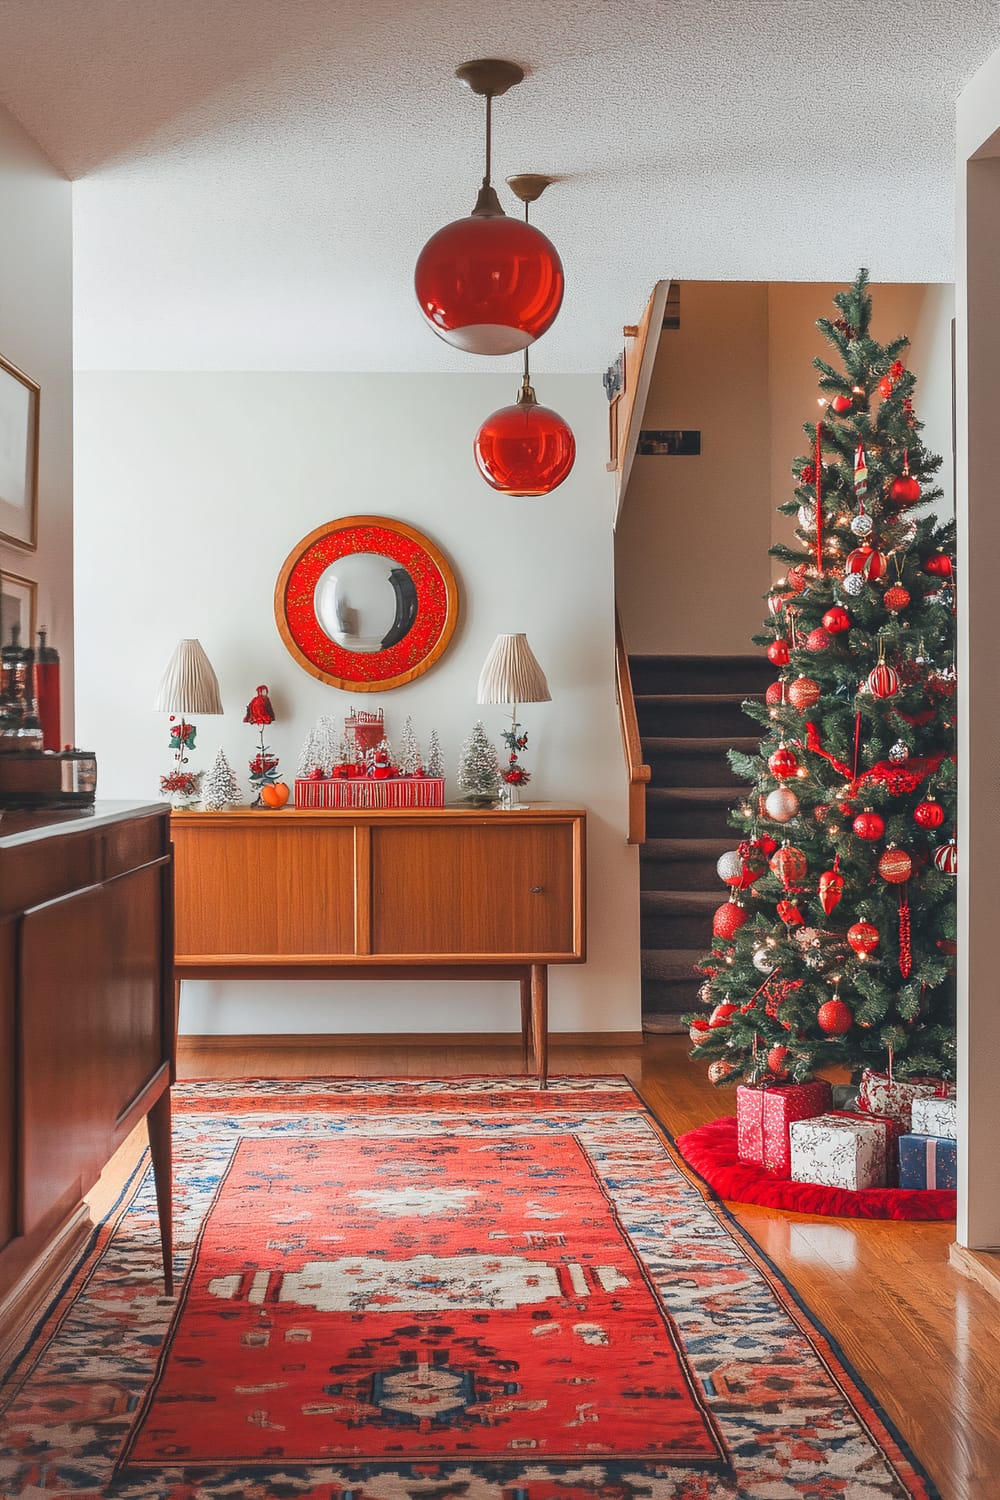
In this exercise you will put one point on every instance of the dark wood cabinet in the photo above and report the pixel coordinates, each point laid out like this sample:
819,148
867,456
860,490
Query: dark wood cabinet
421,892
86,1019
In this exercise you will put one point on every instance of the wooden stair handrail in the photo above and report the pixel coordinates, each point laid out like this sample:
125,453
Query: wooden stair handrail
638,773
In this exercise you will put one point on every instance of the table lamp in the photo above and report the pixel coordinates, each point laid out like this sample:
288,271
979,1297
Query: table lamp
511,674
189,686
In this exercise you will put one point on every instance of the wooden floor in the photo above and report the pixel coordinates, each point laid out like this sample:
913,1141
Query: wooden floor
924,1338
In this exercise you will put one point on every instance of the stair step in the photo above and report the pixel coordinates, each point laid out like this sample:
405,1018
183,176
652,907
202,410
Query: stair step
715,716
690,812
695,760
683,864
699,674
678,919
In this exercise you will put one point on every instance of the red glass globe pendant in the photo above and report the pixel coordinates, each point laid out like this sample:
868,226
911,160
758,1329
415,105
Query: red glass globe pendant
525,449
489,284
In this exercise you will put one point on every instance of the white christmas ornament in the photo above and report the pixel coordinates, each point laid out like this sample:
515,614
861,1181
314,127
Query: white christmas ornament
807,517
781,804
764,960
900,751
853,584
730,866
862,525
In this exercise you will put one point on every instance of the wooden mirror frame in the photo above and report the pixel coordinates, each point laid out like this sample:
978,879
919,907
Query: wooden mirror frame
375,671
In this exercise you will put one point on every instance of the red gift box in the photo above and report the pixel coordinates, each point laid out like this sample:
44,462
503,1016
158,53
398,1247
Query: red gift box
764,1115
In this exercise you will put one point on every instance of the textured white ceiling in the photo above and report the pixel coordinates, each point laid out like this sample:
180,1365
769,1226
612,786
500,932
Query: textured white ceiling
255,177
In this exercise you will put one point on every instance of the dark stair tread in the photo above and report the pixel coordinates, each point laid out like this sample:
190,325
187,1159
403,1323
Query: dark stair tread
685,796
684,849
695,743
672,963
694,700
664,902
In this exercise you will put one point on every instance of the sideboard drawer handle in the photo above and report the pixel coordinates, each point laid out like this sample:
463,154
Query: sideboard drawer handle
536,890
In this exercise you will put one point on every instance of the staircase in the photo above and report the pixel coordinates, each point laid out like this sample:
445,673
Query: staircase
690,714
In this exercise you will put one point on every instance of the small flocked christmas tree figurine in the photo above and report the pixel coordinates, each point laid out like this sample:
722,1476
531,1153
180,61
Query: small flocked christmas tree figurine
219,787
410,760
435,760
310,756
837,943
478,768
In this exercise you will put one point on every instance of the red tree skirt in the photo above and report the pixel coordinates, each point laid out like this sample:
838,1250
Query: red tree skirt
711,1151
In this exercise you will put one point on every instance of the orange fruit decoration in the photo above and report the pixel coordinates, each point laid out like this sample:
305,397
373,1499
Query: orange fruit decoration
274,794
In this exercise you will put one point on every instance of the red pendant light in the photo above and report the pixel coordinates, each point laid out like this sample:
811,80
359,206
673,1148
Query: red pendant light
489,284
525,449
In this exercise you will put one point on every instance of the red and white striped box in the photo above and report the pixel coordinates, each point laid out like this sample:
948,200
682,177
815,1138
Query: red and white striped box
764,1115
367,792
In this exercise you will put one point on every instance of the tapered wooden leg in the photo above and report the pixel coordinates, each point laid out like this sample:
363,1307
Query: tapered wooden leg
526,1020
540,1021
160,1149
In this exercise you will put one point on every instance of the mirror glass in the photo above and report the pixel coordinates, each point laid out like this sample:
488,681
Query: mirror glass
365,602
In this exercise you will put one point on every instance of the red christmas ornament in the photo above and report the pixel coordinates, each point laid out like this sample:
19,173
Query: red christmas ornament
803,693
946,858
895,865
883,681
777,652
728,920
789,864
489,284
905,950
798,577
863,937
939,565
834,1017
719,1070
720,1015
782,763
698,1031
831,888
525,449
835,620
940,685
818,639
929,814
776,603
841,404
790,914
774,693
766,844
904,490
885,387
867,561
808,475
776,1061
896,598
868,825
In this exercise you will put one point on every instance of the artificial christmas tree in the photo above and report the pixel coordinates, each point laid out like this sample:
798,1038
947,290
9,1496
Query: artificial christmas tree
409,759
836,944
219,786
435,759
478,767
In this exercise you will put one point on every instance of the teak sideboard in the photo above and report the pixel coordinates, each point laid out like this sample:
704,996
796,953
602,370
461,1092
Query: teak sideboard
87,1026
417,893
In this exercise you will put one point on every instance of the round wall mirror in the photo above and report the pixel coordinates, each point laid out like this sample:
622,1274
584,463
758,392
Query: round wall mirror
365,603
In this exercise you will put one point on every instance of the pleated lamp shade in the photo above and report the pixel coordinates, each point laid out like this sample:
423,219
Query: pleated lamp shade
511,673
189,685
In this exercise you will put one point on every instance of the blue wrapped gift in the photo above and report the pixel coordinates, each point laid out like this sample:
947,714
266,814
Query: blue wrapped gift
927,1161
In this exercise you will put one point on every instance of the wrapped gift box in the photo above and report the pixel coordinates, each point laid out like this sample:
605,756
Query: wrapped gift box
927,1161
846,1151
764,1115
881,1095
936,1117
368,792
891,1131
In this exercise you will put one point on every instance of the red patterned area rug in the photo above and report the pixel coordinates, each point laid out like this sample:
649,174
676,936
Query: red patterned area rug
456,1289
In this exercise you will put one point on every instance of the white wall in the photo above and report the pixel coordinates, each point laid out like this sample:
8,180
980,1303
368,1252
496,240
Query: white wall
692,565
36,336
191,491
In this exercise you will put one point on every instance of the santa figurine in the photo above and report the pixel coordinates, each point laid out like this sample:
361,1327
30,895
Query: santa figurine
259,710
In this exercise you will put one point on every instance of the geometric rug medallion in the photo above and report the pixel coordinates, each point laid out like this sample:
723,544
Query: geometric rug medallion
455,1289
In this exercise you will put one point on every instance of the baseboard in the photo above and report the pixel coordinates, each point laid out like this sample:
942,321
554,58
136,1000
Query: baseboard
276,1041
979,1265
25,1300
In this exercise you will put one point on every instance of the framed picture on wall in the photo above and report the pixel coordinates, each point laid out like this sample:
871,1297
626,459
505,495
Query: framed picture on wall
17,607
19,398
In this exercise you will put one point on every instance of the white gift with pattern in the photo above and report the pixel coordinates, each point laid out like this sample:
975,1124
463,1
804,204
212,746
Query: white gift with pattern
838,1151
936,1117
